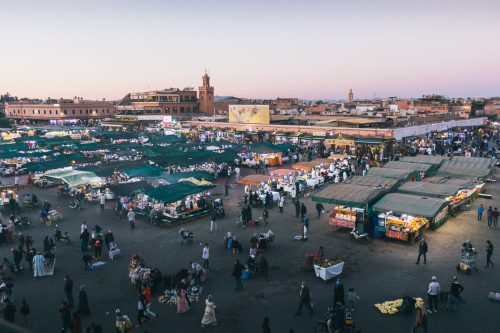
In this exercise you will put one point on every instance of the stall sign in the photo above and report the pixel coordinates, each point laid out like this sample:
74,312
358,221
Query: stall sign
167,121
441,215
342,142
396,235
342,223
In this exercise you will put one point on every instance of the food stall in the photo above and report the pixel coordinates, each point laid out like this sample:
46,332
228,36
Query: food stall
262,183
328,268
434,160
406,217
465,167
259,153
352,204
179,202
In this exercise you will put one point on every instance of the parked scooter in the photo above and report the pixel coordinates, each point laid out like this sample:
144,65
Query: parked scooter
21,222
359,235
58,235
186,235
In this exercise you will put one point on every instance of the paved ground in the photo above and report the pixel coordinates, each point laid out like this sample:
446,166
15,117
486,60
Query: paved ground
381,270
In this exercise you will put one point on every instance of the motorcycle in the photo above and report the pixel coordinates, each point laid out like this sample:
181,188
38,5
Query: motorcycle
359,235
186,235
23,221
58,235
75,204
322,326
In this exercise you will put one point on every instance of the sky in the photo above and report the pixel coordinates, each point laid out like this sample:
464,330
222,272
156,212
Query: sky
311,49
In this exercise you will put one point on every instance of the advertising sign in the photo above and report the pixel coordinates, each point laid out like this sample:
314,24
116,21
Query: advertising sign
249,114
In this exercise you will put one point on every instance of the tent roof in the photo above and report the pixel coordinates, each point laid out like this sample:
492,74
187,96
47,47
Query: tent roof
175,192
253,179
311,164
49,165
463,183
464,168
282,172
388,183
427,159
143,170
74,177
476,161
410,204
107,169
348,194
429,189
173,178
124,189
409,166
389,173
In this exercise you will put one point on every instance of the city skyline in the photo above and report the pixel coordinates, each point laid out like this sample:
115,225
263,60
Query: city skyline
256,50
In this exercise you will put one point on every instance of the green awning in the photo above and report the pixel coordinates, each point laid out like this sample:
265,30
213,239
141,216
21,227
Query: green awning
200,175
349,195
144,170
175,192
414,205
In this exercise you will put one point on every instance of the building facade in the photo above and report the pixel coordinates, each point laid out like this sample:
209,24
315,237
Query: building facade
62,109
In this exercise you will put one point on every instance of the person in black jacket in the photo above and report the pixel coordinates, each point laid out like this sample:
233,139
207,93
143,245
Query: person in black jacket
65,317
237,273
422,250
319,208
303,211
9,313
454,296
68,291
304,299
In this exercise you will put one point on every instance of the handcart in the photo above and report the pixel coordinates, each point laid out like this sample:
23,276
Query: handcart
328,272
468,259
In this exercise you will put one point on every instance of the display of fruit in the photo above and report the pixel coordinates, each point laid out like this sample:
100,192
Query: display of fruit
389,307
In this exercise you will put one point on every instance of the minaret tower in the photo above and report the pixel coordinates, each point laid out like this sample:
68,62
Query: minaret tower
206,96
351,95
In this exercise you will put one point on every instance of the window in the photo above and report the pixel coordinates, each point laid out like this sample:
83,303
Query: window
201,97
73,111
33,111
24,111
182,109
66,112
209,97
57,112
188,109
81,111
86,111
193,98
50,111
44,112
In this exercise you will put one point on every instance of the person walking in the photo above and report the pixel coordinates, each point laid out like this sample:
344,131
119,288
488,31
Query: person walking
65,317
83,227
83,302
303,211
237,273
433,295
9,312
338,293
205,255
352,296
98,247
319,208
305,219
68,290
209,319
265,326
454,295
480,211
422,251
213,221
103,200
421,320
489,216
37,265
226,189
25,312
489,253
146,292
131,218
281,203
297,208
84,240
141,309
304,299
494,215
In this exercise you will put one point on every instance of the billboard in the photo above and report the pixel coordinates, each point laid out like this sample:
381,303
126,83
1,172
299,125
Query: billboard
249,114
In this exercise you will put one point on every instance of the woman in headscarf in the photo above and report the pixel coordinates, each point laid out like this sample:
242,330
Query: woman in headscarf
84,240
182,304
209,316
83,303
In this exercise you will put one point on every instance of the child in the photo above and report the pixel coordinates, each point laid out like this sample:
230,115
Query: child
351,299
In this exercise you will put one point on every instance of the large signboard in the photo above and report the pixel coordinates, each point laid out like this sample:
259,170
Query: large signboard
249,114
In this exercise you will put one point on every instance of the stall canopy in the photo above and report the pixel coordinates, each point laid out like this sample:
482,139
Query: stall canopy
410,204
125,189
307,166
349,195
46,166
263,148
420,167
429,189
388,183
107,169
460,168
427,159
175,192
74,177
402,174
281,172
462,183
144,170
253,179
200,175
